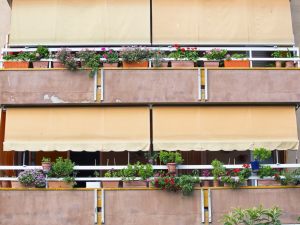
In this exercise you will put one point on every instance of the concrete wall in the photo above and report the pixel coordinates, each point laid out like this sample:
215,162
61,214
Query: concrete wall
5,13
295,8
46,207
45,86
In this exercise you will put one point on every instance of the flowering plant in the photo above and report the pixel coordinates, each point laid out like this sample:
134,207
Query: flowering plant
206,173
40,53
184,53
158,58
68,59
237,177
135,54
110,56
215,54
89,59
32,178
167,182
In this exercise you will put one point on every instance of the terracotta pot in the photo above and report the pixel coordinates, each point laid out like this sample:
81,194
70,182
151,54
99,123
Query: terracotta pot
289,64
216,183
178,63
58,65
46,166
211,63
15,64
171,167
6,184
237,63
278,64
268,183
110,65
162,64
110,184
40,64
135,183
16,184
226,185
59,184
142,64
205,183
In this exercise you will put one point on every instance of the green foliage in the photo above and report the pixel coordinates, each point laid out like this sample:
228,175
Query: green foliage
21,56
235,56
89,59
253,216
68,59
215,54
46,160
137,170
266,171
62,168
32,178
290,177
187,183
40,53
218,169
111,56
170,157
158,58
261,154
237,177
184,53
135,54
112,173
277,54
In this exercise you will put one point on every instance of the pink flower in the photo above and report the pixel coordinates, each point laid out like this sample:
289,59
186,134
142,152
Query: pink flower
110,51
103,49
105,56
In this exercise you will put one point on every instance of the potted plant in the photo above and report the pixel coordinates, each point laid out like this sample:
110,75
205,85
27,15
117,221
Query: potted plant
111,58
62,168
144,171
206,173
135,57
277,54
259,155
171,159
66,59
236,177
31,179
111,183
19,60
217,171
187,184
89,60
40,53
46,164
290,63
236,60
158,59
184,57
267,171
214,57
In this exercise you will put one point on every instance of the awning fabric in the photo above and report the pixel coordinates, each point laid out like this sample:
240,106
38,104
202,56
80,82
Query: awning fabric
77,129
67,22
224,128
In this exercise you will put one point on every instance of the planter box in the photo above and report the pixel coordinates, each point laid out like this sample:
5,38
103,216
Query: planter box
289,64
15,64
268,183
278,64
141,64
237,63
110,184
58,65
163,64
110,65
16,184
40,64
211,63
178,63
59,184
135,184
6,184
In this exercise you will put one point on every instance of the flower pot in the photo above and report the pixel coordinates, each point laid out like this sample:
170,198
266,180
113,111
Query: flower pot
226,185
6,184
58,65
254,165
59,184
110,184
211,63
268,183
205,183
135,184
142,64
110,65
162,64
179,63
216,183
237,63
289,64
171,167
16,184
278,64
40,64
46,166
15,64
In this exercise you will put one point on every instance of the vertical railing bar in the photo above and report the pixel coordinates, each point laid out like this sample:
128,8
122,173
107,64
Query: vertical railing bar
250,56
102,206
202,207
102,85
206,83
209,206
95,85
199,85
95,206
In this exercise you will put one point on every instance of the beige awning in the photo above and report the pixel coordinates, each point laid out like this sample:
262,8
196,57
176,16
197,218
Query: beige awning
67,22
224,128
222,22
77,129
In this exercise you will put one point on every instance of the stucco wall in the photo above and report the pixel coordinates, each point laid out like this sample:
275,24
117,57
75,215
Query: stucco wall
5,21
295,7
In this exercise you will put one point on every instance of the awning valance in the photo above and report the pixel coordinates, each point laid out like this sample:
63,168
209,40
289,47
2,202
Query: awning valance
77,129
224,128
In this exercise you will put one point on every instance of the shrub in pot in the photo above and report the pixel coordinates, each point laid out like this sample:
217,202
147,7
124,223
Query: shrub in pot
46,164
40,53
135,57
66,59
267,171
237,177
217,171
205,173
184,57
111,183
277,54
171,159
236,60
111,58
158,59
259,155
62,168
214,57
89,60
32,178
17,60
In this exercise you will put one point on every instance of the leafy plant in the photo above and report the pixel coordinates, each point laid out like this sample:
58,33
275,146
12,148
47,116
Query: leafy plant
235,56
218,169
261,154
184,53
32,178
170,157
68,59
89,59
40,53
206,173
236,177
112,173
253,216
21,56
215,54
187,183
110,56
46,160
277,54
137,170
62,168
158,58
266,171
135,54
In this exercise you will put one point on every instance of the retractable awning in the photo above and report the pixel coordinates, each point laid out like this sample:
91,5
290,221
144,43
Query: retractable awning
224,128
77,129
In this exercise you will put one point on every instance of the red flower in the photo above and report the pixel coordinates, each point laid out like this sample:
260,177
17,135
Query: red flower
176,46
182,49
246,166
236,170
